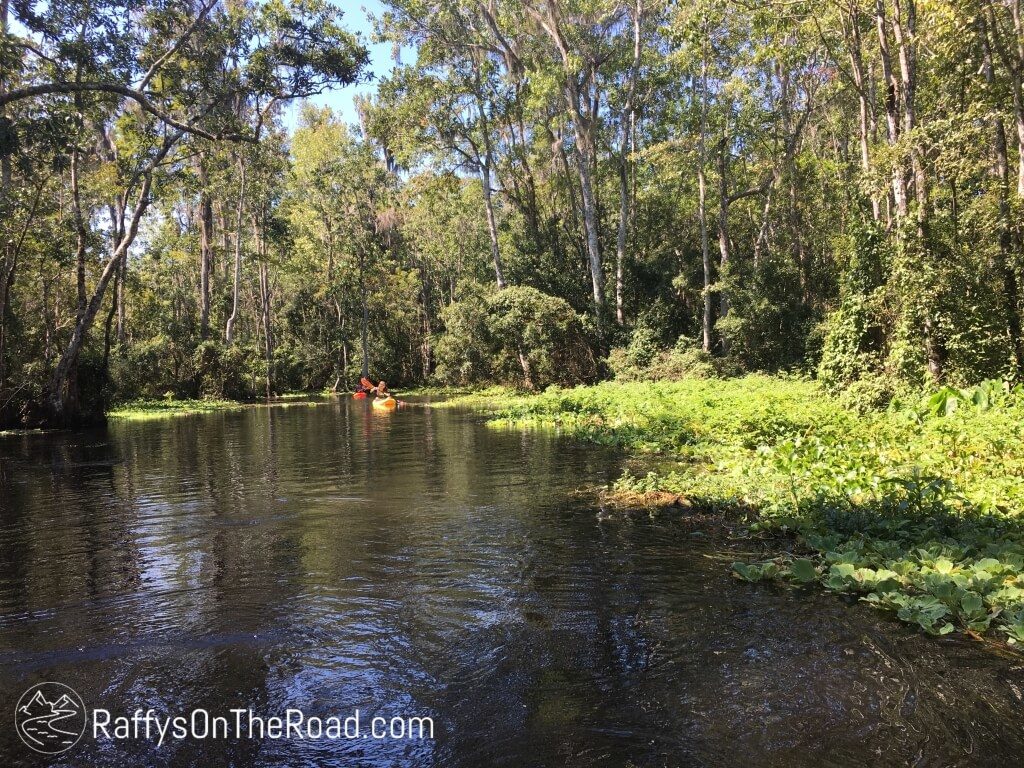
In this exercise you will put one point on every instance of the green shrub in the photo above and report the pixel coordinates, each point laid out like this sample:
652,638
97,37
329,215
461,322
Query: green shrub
642,348
870,393
462,354
686,360
143,369
228,372
517,336
768,319
852,335
848,352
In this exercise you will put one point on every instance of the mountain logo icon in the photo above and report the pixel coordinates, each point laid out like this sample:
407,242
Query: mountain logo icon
50,718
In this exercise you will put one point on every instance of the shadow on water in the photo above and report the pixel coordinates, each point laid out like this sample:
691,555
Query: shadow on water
419,564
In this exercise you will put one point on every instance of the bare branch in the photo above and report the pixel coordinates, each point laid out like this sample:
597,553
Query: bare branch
119,90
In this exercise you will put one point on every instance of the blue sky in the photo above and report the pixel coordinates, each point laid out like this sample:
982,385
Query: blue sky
356,18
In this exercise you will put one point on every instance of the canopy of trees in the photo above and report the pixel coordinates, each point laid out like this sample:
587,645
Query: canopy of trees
835,187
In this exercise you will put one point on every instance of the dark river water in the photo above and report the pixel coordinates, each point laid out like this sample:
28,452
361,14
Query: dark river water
418,564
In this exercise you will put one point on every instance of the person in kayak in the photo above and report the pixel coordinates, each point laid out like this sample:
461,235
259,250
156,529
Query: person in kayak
385,400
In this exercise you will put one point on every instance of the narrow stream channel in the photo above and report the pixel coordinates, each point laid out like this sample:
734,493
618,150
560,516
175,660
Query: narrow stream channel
329,558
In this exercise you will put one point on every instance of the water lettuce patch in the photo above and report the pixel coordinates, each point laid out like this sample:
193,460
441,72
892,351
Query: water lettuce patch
159,409
915,510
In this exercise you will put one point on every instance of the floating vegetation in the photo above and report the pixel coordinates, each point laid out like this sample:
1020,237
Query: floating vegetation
915,510
142,410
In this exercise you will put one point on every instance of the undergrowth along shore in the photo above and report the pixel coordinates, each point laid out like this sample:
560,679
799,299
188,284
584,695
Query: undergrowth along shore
918,509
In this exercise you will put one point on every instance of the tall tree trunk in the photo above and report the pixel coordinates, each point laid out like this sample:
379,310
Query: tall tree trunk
892,100
333,303
108,325
120,291
723,227
49,322
66,401
119,279
1017,87
1011,288
904,26
492,225
8,273
1013,59
620,240
860,81
426,348
229,330
61,394
523,194
582,110
225,240
81,236
625,202
584,159
5,159
801,254
364,328
702,207
205,249
801,258
485,165
905,32
571,228
762,233
265,311
7,276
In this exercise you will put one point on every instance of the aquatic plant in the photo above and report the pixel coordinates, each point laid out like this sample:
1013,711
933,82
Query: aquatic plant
915,510
157,409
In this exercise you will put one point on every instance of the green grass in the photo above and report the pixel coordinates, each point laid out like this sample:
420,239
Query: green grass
158,409
916,510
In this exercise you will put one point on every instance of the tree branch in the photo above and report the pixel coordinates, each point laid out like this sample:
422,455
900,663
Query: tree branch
151,72
138,97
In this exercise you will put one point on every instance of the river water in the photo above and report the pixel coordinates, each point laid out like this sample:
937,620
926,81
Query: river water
330,559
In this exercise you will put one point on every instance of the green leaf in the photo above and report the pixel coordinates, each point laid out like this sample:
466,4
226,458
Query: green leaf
746,572
972,603
803,571
842,570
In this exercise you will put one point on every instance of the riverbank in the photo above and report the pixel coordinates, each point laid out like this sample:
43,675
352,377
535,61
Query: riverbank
915,510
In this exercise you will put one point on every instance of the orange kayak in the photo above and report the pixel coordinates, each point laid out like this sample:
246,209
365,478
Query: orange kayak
386,403
359,395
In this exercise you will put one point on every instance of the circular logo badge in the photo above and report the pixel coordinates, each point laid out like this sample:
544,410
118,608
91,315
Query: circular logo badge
50,718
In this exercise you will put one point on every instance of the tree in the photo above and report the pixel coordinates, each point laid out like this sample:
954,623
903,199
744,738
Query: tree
144,93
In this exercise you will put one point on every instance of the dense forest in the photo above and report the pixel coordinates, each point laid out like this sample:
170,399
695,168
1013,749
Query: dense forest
540,191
